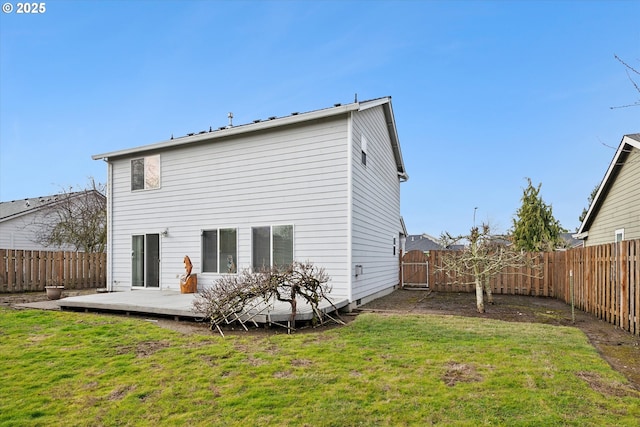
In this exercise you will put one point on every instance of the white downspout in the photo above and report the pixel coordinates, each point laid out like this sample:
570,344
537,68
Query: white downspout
350,206
109,226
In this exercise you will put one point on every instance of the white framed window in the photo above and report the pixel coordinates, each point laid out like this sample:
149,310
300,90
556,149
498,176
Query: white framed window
619,235
145,173
363,150
220,251
271,246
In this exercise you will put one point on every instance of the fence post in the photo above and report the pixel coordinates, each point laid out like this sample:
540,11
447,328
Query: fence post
573,306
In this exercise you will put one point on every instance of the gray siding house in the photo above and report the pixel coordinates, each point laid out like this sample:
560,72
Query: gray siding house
321,186
614,214
23,221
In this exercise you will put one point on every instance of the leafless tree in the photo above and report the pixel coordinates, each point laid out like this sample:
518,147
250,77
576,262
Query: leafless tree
76,218
233,296
630,71
485,256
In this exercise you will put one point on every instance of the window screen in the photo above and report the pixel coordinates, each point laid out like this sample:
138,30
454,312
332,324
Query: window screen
210,251
261,248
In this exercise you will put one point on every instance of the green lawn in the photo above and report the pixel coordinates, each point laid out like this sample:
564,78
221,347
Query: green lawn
59,368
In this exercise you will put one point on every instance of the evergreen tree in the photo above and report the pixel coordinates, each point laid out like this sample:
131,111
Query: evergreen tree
592,196
535,228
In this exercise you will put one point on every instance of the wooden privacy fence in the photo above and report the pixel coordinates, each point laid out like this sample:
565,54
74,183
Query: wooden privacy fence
605,280
511,280
26,271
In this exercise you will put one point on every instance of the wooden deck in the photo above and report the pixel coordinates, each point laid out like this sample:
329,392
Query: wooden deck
175,304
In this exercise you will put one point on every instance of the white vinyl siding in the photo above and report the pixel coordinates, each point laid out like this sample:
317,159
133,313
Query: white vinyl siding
376,206
291,175
621,206
21,233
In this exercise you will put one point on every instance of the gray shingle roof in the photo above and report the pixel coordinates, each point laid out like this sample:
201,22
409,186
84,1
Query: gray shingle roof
422,242
19,207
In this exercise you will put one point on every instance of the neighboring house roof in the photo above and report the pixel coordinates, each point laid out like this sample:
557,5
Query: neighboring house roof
571,241
16,208
273,122
422,242
628,143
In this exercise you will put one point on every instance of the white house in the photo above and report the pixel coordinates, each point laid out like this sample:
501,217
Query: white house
321,186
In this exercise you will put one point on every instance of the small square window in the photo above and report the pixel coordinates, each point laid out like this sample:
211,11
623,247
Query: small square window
145,173
363,149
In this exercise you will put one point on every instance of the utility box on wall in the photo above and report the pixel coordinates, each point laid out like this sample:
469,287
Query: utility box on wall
359,270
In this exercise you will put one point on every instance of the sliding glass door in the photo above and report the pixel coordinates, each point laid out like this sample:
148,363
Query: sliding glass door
145,260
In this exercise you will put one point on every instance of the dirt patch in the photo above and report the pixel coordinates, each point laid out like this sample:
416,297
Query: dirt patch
10,300
605,387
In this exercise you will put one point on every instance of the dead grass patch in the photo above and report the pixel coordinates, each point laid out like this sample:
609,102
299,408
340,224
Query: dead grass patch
460,373
301,362
607,387
120,392
143,349
283,374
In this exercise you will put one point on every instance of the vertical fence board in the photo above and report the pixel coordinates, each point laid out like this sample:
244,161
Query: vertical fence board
3,270
26,268
624,286
11,269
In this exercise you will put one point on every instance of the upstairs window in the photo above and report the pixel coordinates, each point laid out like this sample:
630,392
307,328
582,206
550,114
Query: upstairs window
363,150
145,173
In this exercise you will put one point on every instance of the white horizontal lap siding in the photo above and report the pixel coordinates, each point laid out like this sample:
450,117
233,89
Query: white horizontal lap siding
21,233
621,207
376,206
295,175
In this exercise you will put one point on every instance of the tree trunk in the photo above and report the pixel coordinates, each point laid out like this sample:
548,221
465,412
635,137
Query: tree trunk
479,296
487,288
294,307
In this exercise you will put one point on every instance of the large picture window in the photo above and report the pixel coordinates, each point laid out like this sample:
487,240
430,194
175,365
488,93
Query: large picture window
145,173
271,246
219,251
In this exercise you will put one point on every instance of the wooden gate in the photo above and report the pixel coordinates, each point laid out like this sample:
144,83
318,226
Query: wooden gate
415,270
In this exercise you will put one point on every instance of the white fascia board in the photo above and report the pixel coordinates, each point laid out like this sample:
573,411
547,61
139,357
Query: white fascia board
393,134
232,131
580,236
374,103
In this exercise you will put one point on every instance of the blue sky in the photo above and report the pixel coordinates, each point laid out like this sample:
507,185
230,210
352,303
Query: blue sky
485,93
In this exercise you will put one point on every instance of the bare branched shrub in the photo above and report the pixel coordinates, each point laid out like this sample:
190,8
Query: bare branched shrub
74,218
232,296
486,256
